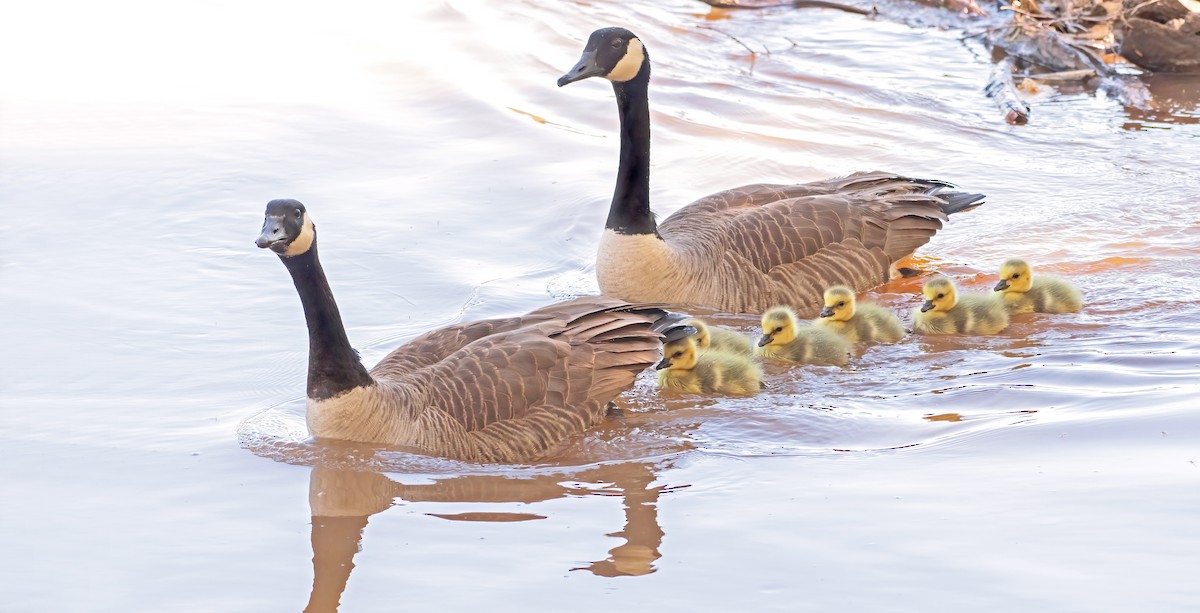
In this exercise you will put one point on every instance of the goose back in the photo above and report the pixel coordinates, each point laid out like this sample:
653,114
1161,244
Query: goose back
745,249
500,390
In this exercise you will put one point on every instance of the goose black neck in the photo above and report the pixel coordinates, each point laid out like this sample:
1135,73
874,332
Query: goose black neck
630,209
333,367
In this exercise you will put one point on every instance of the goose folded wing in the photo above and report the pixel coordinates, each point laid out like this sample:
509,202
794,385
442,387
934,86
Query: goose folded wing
432,347
784,232
759,194
515,394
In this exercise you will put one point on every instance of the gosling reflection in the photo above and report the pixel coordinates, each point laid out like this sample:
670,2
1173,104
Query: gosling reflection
342,501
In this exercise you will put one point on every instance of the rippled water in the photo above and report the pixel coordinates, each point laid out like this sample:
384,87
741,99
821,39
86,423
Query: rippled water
152,443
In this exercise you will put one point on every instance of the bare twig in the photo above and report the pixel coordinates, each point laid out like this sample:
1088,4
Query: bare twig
753,53
1065,75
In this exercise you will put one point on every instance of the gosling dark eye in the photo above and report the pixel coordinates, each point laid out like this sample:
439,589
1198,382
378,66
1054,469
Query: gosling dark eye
841,304
940,296
677,354
779,329
1016,275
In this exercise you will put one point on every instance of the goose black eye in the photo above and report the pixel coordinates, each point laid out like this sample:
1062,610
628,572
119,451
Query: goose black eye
616,44
298,213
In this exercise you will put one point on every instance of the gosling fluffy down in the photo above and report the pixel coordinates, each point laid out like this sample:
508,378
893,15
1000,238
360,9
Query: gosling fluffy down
858,321
947,312
783,338
716,338
1024,293
684,368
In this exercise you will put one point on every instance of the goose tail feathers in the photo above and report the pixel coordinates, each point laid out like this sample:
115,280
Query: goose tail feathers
956,202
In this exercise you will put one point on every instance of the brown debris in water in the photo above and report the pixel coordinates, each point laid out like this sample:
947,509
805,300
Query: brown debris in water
796,4
1078,40
1061,35
1161,35
1064,42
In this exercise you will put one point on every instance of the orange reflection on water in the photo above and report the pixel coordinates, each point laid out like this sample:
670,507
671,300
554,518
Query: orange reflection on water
944,417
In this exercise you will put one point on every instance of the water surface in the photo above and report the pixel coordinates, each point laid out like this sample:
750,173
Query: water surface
153,449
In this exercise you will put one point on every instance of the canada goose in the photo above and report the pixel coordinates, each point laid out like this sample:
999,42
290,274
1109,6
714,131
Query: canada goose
945,311
747,249
685,368
716,338
496,390
784,338
1024,293
858,321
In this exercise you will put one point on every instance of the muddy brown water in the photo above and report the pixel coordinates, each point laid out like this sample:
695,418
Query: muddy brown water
152,444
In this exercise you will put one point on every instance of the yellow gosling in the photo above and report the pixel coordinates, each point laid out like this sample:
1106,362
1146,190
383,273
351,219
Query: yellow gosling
783,338
715,338
858,322
684,368
947,312
1024,293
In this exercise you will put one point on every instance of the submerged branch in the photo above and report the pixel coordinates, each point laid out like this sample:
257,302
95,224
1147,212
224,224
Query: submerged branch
1000,89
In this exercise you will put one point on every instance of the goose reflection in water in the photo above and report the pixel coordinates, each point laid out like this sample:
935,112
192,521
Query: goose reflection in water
342,501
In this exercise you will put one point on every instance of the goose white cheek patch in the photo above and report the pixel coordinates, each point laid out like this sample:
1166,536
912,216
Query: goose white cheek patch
304,241
629,65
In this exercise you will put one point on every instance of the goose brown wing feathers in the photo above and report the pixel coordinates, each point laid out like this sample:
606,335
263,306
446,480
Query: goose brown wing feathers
767,244
758,194
513,394
437,345
432,347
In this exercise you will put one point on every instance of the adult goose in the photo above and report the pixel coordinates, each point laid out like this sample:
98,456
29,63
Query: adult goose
496,390
753,247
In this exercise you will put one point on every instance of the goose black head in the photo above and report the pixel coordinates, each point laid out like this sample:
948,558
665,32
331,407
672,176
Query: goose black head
287,229
613,53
